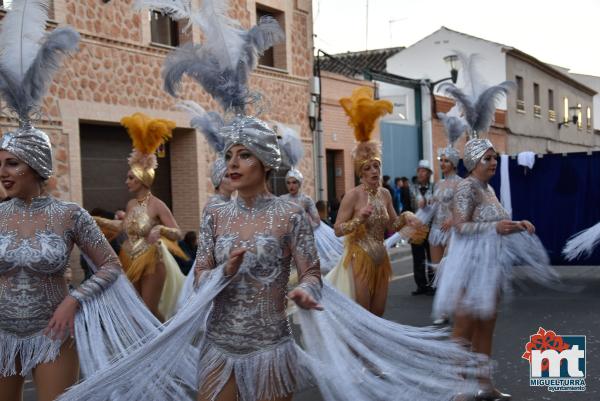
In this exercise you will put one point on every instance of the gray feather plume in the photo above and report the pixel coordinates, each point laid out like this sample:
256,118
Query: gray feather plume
290,144
213,68
455,125
477,100
208,123
28,56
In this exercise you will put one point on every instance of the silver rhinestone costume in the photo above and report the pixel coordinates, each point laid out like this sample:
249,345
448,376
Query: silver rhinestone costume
36,240
248,330
443,199
329,246
480,263
307,204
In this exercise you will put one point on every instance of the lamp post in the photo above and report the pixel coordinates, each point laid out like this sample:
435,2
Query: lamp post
574,118
453,62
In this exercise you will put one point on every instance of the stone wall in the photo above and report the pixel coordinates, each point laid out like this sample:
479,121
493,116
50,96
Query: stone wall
117,71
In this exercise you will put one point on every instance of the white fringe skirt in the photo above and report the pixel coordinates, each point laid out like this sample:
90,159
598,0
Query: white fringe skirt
478,268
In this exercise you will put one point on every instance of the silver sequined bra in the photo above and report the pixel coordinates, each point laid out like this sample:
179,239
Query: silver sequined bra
476,207
36,240
249,314
443,197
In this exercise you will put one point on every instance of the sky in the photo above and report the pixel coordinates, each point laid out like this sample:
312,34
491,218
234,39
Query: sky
564,33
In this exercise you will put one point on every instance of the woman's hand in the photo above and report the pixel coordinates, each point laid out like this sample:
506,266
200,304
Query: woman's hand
236,257
527,226
365,213
154,235
303,299
505,227
63,320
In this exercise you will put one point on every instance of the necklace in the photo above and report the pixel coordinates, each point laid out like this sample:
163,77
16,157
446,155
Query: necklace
144,199
371,191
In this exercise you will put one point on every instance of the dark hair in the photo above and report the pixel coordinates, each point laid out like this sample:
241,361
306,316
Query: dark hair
99,212
321,206
386,178
397,180
190,238
414,179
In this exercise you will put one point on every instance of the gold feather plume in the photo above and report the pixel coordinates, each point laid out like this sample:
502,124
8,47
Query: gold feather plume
364,111
147,134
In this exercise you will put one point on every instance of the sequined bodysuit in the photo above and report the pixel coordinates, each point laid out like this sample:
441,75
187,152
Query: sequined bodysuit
443,198
476,207
36,240
138,224
365,248
307,204
249,314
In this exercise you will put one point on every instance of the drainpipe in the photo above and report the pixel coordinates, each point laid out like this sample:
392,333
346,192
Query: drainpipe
316,123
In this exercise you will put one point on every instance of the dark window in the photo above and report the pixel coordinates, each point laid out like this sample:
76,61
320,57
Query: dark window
520,95
551,111
164,29
520,92
537,109
104,153
276,55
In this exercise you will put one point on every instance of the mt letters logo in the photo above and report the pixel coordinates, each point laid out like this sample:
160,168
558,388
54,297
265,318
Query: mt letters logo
556,362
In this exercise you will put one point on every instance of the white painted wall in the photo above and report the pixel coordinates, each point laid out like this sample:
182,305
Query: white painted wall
425,59
404,103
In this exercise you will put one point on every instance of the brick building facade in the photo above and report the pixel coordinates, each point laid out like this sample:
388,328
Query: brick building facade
338,136
117,72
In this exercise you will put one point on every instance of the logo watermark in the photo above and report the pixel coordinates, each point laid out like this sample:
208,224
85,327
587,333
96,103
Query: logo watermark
556,362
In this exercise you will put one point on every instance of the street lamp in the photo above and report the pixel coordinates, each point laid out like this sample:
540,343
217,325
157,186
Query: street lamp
452,61
574,118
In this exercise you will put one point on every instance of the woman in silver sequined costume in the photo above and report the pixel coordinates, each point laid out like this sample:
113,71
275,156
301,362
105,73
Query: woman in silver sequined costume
486,245
479,266
329,247
449,156
45,330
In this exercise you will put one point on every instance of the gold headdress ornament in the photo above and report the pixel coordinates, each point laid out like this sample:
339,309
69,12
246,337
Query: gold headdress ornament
364,111
147,134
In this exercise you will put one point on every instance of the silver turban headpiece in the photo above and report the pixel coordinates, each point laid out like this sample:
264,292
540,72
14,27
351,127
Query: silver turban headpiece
474,151
219,169
32,146
451,154
29,57
256,136
295,174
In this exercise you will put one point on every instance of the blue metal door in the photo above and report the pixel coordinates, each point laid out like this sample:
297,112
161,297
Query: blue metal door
401,149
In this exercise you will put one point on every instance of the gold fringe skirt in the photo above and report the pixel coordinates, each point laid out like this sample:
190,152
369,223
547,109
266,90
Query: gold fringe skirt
376,276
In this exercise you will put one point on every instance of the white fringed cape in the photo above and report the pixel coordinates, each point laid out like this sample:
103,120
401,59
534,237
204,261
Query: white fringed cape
480,267
329,246
349,352
582,243
107,326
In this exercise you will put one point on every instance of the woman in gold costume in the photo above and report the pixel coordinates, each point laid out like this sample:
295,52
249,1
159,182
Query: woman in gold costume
152,232
366,211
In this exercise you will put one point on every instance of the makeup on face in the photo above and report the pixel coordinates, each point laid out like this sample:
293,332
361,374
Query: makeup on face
293,186
371,172
244,169
17,178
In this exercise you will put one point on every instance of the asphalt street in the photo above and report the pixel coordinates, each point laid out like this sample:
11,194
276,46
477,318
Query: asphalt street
567,313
